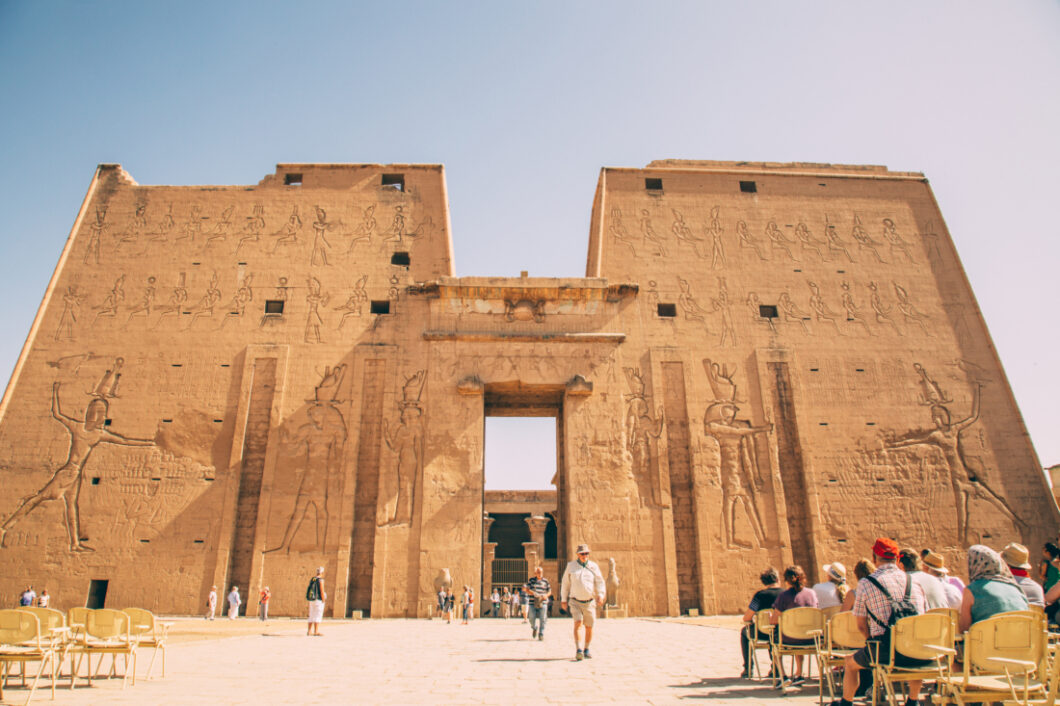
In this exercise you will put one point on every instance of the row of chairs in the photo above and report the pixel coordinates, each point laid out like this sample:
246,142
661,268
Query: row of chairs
1009,657
50,637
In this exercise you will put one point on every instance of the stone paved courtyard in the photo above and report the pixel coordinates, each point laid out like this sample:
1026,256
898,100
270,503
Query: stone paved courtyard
423,661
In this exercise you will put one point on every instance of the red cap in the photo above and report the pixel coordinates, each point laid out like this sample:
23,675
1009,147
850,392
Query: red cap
885,548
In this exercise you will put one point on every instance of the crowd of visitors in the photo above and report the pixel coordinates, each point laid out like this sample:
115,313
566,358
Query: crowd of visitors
904,582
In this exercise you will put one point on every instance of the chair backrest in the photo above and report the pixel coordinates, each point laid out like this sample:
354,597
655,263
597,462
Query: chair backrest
763,621
843,631
18,627
954,613
142,621
76,616
801,623
107,624
1008,636
920,636
1035,608
831,611
49,618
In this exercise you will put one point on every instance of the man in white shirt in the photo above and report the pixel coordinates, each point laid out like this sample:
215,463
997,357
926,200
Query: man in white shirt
582,589
909,560
234,601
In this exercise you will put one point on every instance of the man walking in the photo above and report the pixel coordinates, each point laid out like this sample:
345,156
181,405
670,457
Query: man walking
540,590
582,589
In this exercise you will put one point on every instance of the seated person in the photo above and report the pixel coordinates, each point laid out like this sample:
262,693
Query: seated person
1017,558
991,588
834,588
762,600
796,595
935,565
862,569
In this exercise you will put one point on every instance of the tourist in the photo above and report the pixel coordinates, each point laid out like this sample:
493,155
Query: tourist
935,565
763,599
872,608
934,593
1017,558
1047,569
524,602
44,599
27,598
539,591
515,604
441,601
796,595
263,604
496,599
211,603
504,600
991,588
833,589
581,589
315,594
447,605
862,569
234,601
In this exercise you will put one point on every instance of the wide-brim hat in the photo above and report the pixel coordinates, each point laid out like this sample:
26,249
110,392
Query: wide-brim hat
836,571
935,562
1017,556
582,549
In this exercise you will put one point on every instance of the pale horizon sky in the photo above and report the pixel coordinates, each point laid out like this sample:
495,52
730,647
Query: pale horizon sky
523,104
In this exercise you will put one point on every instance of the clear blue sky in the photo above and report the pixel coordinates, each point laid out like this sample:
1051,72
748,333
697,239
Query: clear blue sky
523,103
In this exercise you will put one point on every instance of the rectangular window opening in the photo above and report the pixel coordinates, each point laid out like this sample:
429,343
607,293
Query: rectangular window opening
218,421
199,541
748,187
274,306
292,179
823,424
106,422
394,181
381,307
95,480
145,541
870,424
667,310
97,591
767,311
815,370
167,421
400,258
653,184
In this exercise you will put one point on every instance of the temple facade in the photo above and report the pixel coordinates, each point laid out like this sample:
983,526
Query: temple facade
764,364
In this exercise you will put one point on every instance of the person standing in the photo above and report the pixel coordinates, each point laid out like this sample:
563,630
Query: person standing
27,598
447,605
211,603
44,599
524,602
234,601
540,590
496,600
441,602
316,596
582,588
263,604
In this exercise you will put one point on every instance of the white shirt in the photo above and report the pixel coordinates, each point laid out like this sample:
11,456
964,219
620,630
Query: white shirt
583,583
933,590
233,598
953,594
827,596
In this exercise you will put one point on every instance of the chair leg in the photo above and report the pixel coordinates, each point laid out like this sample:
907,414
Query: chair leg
151,664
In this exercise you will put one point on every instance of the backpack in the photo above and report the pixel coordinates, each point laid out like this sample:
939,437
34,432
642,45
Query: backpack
312,593
899,609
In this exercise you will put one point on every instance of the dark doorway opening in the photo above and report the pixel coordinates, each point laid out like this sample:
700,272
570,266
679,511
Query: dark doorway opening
97,594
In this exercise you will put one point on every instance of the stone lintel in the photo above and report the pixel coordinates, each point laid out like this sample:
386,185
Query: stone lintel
524,337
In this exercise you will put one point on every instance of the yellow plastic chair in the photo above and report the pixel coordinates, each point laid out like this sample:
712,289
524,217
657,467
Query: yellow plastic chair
1004,658
928,637
149,633
1051,697
75,619
796,624
22,642
761,623
106,632
841,638
53,628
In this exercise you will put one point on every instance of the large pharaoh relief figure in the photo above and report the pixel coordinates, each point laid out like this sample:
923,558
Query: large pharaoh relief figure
738,464
643,429
312,460
405,439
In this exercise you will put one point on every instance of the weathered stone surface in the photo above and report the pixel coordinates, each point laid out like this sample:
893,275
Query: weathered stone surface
765,364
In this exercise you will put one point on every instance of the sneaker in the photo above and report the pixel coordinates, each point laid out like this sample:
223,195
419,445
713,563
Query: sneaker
587,655
533,634
541,636
580,656
797,681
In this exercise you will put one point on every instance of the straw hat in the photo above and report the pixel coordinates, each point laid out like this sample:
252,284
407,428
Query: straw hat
1016,556
935,562
836,571
582,549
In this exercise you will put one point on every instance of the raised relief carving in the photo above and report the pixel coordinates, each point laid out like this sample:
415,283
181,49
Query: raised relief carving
317,446
113,300
864,241
724,308
896,242
254,226
177,298
739,469
820,310
165,226
523,310
618,229
835,243
244,295
792,312
648,234
354,303
643,430
72,299
966,482
365,229
777,240
690,308
852,311
206,305
406,441
717,246
747,240
85,435
754,308
143,308
97,229
315,299
684,234
191,227
882,311
808,241
289,233
909,311
138,225
396,231
220,231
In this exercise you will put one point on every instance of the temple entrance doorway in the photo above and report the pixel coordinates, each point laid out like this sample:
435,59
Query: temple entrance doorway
522,467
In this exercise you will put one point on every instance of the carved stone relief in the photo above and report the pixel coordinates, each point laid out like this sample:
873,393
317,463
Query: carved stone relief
643,429
397,490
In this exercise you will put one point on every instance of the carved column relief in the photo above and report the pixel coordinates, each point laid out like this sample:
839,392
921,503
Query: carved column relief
364,516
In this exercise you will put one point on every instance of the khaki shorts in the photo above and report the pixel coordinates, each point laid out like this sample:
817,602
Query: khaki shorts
584,613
